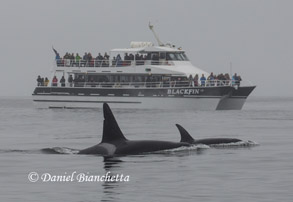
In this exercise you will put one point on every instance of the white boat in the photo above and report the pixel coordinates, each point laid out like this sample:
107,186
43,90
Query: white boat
148,77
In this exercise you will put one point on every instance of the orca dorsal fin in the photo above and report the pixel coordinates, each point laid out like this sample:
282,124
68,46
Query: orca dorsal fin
111,130
185,136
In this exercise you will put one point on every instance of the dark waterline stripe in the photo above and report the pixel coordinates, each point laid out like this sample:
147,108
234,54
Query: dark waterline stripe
83,101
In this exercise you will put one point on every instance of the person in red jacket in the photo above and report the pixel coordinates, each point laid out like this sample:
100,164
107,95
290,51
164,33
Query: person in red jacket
55,81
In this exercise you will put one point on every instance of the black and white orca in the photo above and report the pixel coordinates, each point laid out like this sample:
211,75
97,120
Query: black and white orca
114,143
186,137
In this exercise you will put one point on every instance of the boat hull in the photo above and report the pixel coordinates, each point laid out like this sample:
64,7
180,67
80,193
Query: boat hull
236,99
191,98
126,102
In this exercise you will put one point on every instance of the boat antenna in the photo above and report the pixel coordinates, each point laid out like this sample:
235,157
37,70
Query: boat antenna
231,68
156,36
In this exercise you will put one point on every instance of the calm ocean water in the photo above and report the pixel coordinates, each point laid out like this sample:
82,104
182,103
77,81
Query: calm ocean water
258,173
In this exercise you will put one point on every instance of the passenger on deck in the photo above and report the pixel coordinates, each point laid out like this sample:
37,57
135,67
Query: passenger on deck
72,59
131,56
126,57
114,60
234,79
62,81
203,80
77,60
100,57
84,59
65,56
227,79
196,80
57,57
118,61
46,82
220,79
138,59
56,52
42,81
90,61
211,79
39,80
70,80
126,61
106,56
190,79
239,79
67,59
106,60
99,60
55,81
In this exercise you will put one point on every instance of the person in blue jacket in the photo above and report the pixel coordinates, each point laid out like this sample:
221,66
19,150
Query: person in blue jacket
234,79
203,80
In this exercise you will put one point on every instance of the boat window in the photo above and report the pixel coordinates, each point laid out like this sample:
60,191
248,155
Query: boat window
155,56
139,78
184,56
171,56
179,57
176,56
162,55
102,78
148,57
124,79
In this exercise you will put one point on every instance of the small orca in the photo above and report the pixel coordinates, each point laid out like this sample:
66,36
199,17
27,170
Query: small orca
186,137
114,142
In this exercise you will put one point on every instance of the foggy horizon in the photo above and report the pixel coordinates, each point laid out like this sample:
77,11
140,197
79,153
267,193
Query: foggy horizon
255,36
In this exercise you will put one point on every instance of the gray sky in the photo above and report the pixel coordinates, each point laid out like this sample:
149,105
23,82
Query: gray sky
255,35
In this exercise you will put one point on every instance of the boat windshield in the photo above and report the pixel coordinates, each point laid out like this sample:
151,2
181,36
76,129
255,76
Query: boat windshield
177,56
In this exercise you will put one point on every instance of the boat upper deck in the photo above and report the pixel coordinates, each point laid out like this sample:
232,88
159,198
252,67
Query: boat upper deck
124,57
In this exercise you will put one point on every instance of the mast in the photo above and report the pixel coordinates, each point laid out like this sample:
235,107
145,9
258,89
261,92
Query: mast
156,36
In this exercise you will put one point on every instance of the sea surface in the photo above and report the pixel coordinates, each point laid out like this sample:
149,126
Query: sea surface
46,140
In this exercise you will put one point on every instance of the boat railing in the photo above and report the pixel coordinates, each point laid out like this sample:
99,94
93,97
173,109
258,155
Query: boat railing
161,84
108,63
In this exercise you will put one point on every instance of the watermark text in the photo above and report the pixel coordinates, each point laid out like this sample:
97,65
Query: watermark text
77,177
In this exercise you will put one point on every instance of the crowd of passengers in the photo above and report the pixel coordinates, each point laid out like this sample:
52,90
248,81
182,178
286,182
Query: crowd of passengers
211,80
87,60
215,80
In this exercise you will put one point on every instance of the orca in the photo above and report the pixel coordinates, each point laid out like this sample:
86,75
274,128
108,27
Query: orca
114,143
186,137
